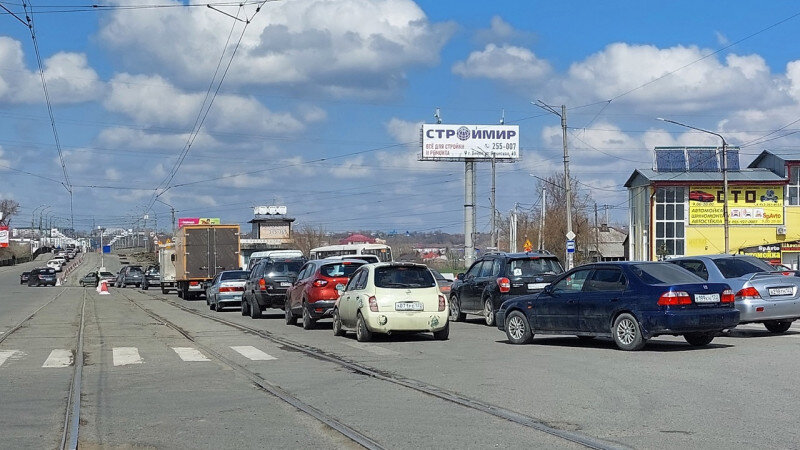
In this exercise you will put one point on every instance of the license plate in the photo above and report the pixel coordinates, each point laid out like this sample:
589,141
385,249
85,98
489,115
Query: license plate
285,284
533,286
706,298
780,291
408,306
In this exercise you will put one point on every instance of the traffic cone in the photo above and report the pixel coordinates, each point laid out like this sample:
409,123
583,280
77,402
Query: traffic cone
102,288
58,281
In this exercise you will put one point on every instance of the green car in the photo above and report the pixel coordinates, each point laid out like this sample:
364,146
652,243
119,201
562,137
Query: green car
90,279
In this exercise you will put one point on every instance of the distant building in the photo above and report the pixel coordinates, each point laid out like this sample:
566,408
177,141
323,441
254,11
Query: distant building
606,243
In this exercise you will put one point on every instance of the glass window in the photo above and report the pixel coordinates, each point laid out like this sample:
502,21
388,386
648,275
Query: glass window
404,277
474,270
793,189
235,275
670,221
696,267
606,279
572,282
530,267
737,267
663,273
338,270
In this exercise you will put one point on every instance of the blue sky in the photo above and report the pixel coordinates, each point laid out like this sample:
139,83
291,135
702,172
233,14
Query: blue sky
321,107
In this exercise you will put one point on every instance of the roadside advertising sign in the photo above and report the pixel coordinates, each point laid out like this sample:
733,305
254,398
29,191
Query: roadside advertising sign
470,142
747,205
208,221
3,236
188,221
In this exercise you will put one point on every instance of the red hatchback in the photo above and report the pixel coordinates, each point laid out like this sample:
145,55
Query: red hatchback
314,293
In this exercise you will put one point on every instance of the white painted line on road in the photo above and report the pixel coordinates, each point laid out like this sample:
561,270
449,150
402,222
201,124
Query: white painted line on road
253,353
59,358
373,349
190,354
126,355
5,354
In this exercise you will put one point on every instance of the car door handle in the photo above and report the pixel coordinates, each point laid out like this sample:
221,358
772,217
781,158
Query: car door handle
615,299
571,301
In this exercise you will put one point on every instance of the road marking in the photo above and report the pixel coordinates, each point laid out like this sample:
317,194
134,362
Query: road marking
59,358
126,355
5,354
190,354
378,350
253,353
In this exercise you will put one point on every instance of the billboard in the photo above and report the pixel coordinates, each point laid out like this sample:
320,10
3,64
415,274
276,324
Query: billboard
4,236
442,142
747,205
198,221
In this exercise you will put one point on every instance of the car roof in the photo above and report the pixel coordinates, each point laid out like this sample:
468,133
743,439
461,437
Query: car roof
395,264
536,254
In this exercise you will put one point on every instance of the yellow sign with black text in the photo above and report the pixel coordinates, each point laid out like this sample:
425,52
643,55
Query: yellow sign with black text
747,205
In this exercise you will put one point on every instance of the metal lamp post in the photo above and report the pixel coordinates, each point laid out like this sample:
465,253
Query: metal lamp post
724,176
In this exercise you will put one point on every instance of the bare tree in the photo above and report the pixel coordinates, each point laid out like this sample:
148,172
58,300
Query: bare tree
9,208
308,237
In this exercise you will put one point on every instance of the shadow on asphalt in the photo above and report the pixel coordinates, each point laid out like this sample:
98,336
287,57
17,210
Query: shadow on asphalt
653,345
736,333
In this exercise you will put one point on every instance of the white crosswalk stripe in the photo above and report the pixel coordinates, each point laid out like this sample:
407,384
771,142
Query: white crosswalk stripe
190,354
5,354
124,356
252,353
59,358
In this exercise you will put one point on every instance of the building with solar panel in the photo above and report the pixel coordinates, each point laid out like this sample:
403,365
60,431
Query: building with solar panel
676,208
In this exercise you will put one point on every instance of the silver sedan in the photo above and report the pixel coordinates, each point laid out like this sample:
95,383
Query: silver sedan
762,295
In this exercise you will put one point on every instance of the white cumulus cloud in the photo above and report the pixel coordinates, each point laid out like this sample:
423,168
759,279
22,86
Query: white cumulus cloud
506,63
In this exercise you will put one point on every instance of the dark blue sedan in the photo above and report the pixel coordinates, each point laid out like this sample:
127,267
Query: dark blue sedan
630,302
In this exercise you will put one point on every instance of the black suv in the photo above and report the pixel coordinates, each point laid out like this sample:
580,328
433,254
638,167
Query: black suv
266,287
42,276
496,277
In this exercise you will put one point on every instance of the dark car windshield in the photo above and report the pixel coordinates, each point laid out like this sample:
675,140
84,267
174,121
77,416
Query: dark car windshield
283,267
106,274
342,269
135,271
663,273
533,266
404,277
737,267
235,275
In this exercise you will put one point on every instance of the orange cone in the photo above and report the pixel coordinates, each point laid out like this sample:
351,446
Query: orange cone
102,288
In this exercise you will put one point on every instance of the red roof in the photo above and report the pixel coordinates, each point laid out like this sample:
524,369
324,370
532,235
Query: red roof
357,239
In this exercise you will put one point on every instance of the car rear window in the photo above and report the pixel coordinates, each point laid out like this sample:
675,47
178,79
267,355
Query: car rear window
532,266
664,273
135,270
737,267
283,267
235,275
342,269
106,274
404,277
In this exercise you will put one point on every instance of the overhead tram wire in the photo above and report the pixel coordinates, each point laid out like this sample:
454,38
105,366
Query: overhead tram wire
60,9
68,184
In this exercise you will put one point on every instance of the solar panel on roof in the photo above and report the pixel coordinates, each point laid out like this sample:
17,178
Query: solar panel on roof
702,160
670,160
733,158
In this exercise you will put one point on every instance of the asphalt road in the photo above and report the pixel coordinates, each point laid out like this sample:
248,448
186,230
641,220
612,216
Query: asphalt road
158,376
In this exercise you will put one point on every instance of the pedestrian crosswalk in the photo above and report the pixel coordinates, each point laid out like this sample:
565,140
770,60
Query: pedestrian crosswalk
128,356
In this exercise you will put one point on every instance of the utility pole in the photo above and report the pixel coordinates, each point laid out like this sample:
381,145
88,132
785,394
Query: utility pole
541,219
567,184
596,235
512,230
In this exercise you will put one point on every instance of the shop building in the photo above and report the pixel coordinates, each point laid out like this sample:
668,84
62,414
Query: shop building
676,208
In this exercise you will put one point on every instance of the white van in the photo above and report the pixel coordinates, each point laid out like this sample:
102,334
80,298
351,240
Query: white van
257,256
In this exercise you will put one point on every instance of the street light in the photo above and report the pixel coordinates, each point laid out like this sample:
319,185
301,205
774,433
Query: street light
724,175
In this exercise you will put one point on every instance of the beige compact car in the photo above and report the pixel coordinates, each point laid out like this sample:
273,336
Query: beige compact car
391,297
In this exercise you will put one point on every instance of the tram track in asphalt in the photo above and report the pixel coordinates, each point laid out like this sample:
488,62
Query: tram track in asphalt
72,416
265,385
416,385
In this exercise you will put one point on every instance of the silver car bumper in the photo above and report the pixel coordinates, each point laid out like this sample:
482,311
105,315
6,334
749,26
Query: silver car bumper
759,310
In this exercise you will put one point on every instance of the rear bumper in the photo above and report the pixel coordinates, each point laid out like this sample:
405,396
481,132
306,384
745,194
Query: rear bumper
321,308
770,310
230,298
406,321
655,323
270,299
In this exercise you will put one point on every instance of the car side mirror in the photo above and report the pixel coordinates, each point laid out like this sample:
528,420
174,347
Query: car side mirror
340,288
460,276
548,289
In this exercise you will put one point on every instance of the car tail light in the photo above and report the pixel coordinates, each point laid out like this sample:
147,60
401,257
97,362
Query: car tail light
41,277
748,293
727,296
194,283
231,288
262,284
373,304
504,284
320,283
442,302
672,298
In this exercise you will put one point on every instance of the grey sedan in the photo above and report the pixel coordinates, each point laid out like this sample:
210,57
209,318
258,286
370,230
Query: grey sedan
762,295
226,289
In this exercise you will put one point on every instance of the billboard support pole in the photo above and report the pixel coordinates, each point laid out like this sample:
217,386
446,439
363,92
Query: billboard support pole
469,213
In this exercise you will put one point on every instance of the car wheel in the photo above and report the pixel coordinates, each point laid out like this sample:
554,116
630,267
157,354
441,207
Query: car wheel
443,334
455,310
338,329
164,290
255,310
245,306
287,311
518,330
144,286
308,322
218,306
362,332
488,311
627,333
699,339
777,326
208,301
